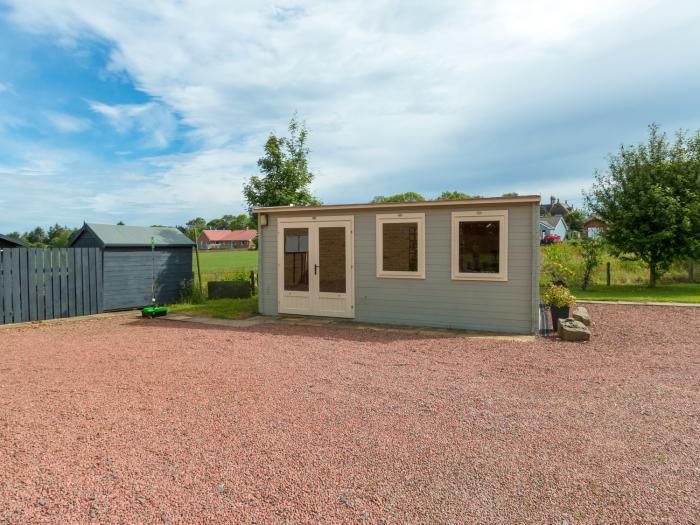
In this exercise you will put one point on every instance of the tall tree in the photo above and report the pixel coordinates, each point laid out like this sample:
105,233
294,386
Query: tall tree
285,171
409,196
650,198
36,237
574,220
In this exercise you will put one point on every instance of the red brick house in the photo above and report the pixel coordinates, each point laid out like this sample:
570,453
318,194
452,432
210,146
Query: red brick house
227,239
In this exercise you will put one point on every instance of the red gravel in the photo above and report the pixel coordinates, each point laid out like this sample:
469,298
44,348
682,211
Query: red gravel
127,421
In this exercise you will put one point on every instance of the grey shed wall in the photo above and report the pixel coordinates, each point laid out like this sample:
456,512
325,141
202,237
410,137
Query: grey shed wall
127,273
437,300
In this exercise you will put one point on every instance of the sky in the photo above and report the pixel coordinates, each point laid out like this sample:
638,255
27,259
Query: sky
156,112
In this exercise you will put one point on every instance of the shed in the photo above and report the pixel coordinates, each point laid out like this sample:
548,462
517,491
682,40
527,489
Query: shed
468,264
10,242
128,262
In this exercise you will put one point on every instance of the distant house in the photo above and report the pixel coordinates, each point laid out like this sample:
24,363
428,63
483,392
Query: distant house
594,226
11,242
227,239
555,208
553,226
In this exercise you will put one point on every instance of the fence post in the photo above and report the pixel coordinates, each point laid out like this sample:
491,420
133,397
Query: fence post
690,271
252,282
607,272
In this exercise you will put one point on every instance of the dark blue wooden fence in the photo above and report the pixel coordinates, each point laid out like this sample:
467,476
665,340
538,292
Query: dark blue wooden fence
47,283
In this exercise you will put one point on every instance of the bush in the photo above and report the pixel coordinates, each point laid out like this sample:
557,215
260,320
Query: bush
557,264
590,250
558,296
191,294
566,261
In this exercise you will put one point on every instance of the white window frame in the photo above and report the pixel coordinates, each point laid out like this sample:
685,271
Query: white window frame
479,216
398,218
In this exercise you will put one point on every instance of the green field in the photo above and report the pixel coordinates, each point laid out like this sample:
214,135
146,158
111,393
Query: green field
672,292
226,262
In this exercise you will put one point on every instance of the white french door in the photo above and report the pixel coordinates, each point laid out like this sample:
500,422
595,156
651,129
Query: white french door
315,266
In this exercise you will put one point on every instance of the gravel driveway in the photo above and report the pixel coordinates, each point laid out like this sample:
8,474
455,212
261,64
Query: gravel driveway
127,421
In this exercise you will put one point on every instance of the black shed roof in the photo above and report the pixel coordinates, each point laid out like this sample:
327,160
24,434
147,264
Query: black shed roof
11,240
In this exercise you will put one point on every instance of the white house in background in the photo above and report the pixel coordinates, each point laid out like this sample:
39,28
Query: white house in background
554,225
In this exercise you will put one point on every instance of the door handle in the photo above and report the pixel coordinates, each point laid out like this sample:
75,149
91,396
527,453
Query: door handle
316,267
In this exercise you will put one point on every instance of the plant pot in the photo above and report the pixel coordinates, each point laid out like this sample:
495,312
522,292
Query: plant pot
558,312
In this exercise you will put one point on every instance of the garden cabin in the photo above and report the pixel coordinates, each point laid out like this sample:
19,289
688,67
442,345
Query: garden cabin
469,264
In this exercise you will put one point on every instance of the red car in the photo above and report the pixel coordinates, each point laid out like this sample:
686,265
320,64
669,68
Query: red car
550,239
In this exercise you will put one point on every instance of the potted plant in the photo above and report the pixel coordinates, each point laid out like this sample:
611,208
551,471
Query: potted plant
559,299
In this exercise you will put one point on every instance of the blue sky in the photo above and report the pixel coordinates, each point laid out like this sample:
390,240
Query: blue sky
155,112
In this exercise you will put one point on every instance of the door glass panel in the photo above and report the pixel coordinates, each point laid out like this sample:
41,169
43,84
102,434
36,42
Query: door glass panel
331,259
296,259
479,246
400,246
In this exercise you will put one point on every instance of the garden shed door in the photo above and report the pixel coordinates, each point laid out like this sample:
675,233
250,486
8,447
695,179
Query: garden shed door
315,266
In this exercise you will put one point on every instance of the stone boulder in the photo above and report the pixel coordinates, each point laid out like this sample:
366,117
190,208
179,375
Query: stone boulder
581,315
573,330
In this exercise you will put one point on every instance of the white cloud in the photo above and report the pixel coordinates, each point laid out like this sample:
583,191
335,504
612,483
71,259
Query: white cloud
4,87
153,121
398,95
66,123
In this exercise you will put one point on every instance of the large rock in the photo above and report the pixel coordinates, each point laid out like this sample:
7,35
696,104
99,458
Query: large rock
573,330
581,315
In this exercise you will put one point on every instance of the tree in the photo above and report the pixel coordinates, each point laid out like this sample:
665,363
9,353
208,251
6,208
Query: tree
511,194
121,223
650,198
455,196
575,219
36,236
409,196
285,172
217,224
198,224
591,251
239,222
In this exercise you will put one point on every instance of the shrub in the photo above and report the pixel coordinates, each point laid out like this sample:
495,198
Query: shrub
190,293
557,263
590,250
558,296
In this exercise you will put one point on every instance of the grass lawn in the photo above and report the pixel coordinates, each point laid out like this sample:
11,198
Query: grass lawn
674,292
221,308
226,261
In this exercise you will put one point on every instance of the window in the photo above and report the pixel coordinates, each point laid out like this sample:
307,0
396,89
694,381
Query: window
401,245
296,259
480,245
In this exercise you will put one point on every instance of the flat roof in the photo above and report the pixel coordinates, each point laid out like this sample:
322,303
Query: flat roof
520,199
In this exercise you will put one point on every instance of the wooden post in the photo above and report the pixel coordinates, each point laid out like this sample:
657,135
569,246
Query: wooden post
690,271
199,271
252,282
607,272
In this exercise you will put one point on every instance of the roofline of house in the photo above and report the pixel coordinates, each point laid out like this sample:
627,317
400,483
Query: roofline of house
18,242
521,199
560,217
79,232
